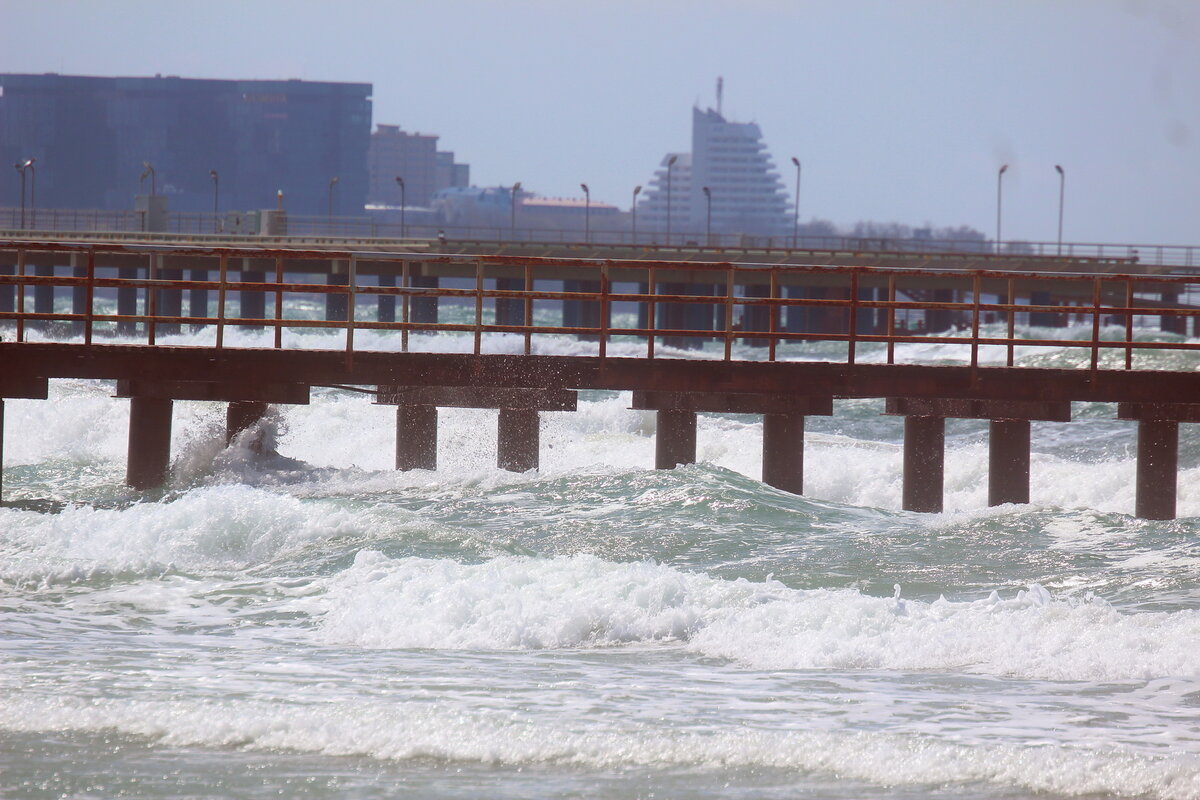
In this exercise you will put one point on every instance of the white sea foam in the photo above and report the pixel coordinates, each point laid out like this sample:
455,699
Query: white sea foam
582,601
407,731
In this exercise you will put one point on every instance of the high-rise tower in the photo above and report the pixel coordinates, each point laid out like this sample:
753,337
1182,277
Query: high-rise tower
730,158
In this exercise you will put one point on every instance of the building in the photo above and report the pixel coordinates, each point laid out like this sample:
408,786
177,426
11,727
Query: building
415,158
731,160
91,137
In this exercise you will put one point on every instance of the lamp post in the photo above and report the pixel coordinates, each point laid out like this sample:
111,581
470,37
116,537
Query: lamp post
999,187
148,169
633,210
21,166
332,183
796,213
400,183
587,213
1062,188
512,224
707,216
670,163
216,179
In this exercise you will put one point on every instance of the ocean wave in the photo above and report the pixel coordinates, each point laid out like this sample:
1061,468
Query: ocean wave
516,602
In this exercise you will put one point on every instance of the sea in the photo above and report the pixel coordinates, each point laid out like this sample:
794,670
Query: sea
308,622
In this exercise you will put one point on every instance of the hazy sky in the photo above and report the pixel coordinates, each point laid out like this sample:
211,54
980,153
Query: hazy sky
900,110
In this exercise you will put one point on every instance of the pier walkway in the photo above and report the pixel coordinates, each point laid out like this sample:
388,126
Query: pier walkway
423,330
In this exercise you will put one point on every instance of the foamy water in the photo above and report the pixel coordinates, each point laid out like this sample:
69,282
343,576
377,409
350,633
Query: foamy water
312,623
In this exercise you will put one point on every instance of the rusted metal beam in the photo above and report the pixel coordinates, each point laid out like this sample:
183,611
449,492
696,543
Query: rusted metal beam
246,391
477,397
975,408
733,402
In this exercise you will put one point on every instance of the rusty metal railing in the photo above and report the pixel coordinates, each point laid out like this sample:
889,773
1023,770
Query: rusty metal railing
765,308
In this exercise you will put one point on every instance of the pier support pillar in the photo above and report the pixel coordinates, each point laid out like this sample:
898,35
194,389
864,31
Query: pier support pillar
1008,461
924,463
198,298
510,311
387,302
127,297
517,441
1157,465
416,437
149,442
43,296
337,306
253,303
783,452
675,438
1170,322
8,293
757,318
241,415
424,309
170,302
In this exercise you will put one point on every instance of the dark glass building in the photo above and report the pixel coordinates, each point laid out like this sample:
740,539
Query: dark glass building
91,136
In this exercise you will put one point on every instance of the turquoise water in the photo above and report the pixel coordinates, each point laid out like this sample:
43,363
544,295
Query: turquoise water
311,623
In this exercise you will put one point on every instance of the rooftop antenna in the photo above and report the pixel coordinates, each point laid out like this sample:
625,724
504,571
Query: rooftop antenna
720,91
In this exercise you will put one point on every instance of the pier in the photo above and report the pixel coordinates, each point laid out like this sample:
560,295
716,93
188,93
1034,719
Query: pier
685,336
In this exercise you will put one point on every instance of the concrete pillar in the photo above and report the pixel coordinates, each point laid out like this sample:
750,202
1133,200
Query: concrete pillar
43,297
78,300
1157,465
241,415
1045,319
387,302
823,320
8,293
1008,461
416,437
198,298
149,442
127,301
643,309
169,302
685,316
924,463
756,318
253,303
871,320
1172,324
794,317
675,439
783,452
509,311
939,320
424,309
337,306
517,439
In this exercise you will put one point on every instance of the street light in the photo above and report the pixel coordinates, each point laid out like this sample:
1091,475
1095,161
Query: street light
216,179
633,210
149,170
1062,188
587,213
707,216
796,214
512,224
21,166
332,182
999,183
400,183
670,163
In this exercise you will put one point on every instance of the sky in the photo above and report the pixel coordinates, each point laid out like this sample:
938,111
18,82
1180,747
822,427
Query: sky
899,110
